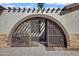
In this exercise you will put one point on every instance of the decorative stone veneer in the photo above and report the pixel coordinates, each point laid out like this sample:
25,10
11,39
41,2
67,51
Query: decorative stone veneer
4,40
74,41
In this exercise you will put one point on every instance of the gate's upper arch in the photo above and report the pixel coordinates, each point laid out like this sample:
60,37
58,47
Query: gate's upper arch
41,16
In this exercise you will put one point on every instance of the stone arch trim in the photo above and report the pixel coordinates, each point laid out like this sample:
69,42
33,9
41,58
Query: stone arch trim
43,16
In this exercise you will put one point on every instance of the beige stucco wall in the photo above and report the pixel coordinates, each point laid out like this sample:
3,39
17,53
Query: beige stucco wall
72,22
69,21
9,19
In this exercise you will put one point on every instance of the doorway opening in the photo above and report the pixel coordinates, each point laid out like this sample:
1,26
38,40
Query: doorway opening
38,30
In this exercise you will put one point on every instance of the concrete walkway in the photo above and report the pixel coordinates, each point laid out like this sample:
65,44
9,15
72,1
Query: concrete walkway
35,51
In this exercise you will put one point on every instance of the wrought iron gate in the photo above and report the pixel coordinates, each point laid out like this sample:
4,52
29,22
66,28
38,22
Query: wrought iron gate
37,30
55,35
26,34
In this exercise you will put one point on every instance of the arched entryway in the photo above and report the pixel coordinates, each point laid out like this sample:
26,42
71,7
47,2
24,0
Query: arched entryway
38,29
